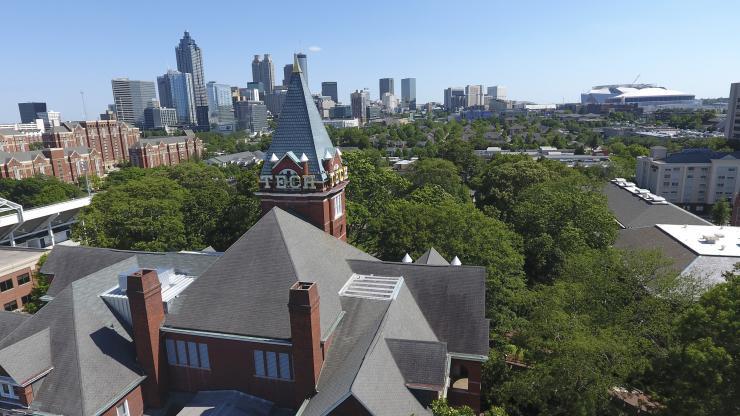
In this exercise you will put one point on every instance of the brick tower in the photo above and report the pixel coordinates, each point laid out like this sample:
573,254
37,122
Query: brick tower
302,172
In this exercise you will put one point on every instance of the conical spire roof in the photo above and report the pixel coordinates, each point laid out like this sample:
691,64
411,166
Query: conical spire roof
299,128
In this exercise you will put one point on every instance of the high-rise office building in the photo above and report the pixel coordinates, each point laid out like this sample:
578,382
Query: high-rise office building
30,110
219,97
51,119
264,71
275,100
329,89
474,95
732,129
408,93
176,91
359,101
386,86
131,98
287,70
497,92
251,116
159,118
454,98
303,63
190,60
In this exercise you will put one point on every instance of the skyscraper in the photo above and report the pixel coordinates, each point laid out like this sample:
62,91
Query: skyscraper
360,101
386,86
220,108
454,98
497,92
131,98
733,113
264,71
176,91
408,93
29,110
303,63
287,70
329,89
190,60
474,95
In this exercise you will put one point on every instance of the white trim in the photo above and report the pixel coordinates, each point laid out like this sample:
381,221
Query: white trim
468,357
232,337
38,376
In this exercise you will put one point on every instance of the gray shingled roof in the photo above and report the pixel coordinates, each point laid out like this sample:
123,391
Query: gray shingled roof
432,257
10,321
91,353
420,362
300,129
653,238
451,298
68,264
701,155
259,270
633,212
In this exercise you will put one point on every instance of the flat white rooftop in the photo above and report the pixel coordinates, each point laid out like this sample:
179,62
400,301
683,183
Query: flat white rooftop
706,240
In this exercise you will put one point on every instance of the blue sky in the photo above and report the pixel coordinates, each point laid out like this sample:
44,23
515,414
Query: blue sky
543,51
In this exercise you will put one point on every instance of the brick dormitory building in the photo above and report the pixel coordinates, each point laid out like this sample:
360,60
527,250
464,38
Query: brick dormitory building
289,320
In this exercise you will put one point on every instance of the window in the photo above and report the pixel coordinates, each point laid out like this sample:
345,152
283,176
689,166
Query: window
187,354
272,364
6,390
6,285
25,299
23,279
122,409
11,306
337,203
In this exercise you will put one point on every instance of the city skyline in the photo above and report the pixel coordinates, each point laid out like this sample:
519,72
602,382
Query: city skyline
542,53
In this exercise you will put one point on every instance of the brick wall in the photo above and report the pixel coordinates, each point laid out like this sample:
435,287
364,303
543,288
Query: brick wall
135,404
18,291
232,368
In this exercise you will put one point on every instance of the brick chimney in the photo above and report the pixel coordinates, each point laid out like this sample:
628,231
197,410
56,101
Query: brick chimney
147,315
305,333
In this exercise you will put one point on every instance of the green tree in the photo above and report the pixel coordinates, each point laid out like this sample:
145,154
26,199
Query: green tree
599,325
144,214
439,172
441,408
38,191
699,375
721,212
560,218
505,177
40,287
371,190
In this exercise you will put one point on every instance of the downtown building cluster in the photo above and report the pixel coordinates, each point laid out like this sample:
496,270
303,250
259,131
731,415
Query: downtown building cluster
291,319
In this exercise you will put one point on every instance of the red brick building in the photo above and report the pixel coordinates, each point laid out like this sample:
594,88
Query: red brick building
110,138
68,164
17,267
18,141
165,151
289,319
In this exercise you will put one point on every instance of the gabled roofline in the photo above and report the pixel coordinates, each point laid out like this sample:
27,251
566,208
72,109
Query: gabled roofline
119,396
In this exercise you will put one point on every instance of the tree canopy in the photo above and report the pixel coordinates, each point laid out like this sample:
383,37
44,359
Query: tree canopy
38,191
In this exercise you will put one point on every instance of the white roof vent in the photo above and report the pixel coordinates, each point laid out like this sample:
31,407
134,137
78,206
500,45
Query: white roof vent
456,262
327,154
339,153
274,158
407,259
304,158
372,287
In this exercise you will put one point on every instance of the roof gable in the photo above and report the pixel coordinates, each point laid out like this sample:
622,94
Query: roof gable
258,271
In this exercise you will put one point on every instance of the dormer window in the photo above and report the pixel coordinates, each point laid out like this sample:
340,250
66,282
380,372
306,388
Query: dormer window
7,391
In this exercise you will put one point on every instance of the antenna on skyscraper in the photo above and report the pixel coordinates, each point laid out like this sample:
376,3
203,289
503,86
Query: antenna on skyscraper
84,108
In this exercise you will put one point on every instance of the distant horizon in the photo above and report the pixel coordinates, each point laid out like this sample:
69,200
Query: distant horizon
542,52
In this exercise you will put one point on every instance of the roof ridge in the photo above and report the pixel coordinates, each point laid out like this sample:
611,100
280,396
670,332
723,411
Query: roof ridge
75,348
274,212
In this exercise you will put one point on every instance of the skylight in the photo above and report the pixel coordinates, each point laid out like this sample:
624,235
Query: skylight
372,287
